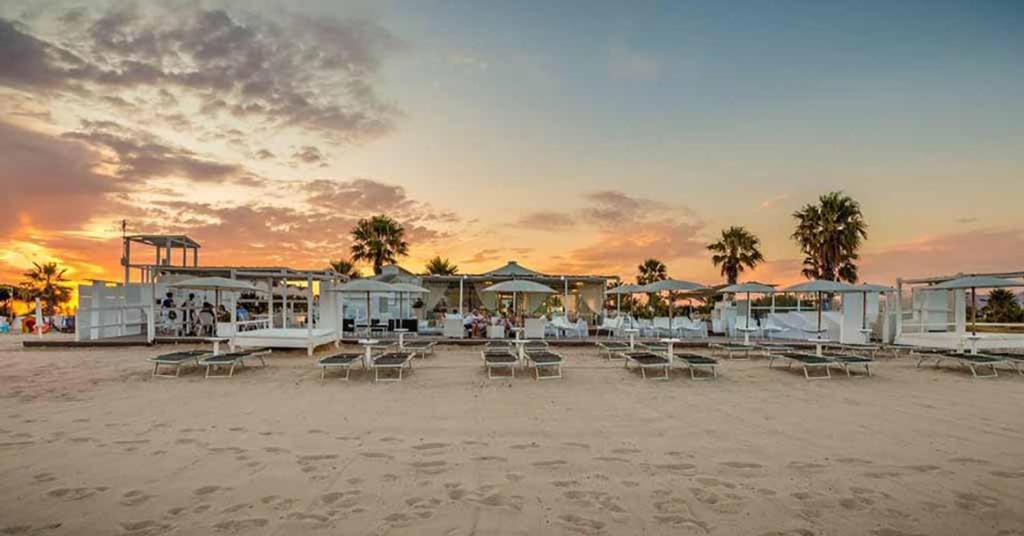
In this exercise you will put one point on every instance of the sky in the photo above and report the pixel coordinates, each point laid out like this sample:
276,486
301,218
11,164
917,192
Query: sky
574,137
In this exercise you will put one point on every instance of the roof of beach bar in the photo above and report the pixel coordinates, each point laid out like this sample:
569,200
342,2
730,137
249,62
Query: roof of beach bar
514,270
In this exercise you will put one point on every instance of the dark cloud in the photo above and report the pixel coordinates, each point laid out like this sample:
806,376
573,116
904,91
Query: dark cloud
316,74
308,154
142,156
547,221
484,255
264,154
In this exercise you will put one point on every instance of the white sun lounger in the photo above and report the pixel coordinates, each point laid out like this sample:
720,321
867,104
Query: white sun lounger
498,359
398,361
731,350
611,349
344,361
806,361
648,360
177,360
707,366
971,362
421,348
544,359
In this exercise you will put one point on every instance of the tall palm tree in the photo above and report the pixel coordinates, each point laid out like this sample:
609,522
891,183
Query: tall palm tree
737,250
7,295
439,266
378,240
44,281
345,267
1002,306
829,235
649,271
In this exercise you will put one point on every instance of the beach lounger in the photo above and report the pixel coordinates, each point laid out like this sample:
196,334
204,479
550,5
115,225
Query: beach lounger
648,360
499,358
421,348
612,349
232,360
971,362
854,348
177,360
498,345
344,361
696,362
731,350
398,361
1014,360
543,359
847,360
807,362
655,347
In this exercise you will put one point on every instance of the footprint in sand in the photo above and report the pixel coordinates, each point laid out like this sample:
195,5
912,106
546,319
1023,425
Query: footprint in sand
44,477
742,465
577,445
147,527
679,521
549,463
594,499
241,525
878,475
314,518
806,466
712,482
885,531
967,460
275,450
206,490
430,468
626,451
676,467
235,508
175,512
581,524
376,455
135,497
922,468
75,494
524,446
316,458
1008,474
973,502
611,459
430,446
473,443
490,459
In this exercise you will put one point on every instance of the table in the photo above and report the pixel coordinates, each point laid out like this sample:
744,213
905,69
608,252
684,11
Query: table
973,340
518,330
818,343
521,351
866,332
401,337
632,337
369,344
671,352
216,343
746,333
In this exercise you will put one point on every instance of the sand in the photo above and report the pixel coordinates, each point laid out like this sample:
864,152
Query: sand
91,444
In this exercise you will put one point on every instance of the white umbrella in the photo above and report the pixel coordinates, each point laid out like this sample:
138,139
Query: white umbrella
974,282
671,285
750,287
519,286
864,289
820,286
368,286
217,284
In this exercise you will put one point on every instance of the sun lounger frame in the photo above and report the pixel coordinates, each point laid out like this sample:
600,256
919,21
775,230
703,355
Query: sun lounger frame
613,349
192,357
537,366
356,358
730,350
806,366
1014,360
971,362
495,365
420,348
400,367
664,366
845,361
239,358
694,366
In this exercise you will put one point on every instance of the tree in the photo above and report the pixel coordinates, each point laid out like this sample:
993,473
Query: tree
7,295
829,235
737,250
344,267
649,271
615,301
378,240
439,266
45,283
1002,307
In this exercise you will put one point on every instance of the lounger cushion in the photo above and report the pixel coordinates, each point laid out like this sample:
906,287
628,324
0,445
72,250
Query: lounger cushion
807,359
544,357
500,358
177,357
694,359
647,358
392,359
341,359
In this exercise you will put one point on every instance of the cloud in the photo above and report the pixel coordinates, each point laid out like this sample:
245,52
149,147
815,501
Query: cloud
980,250
308,154
264,154
316,74
772,202
547,221
965,221
482,256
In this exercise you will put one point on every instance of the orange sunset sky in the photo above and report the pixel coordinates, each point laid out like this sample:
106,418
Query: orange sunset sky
575,137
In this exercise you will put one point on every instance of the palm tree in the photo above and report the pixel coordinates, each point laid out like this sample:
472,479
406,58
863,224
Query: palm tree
737,250
439,266
1002,307
44,282
649,271
378,240
7,295
344,267
829,235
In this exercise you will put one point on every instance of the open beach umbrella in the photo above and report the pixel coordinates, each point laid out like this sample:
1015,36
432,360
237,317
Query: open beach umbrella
369,286
820,286
671,285
217,284
407,288
751,287
619,291
519,286
864,289
975,282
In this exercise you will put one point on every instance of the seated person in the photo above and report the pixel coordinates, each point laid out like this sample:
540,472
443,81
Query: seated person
470,322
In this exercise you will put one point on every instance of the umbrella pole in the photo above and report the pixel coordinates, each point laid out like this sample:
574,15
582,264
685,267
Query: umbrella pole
819,315
864,310
974,313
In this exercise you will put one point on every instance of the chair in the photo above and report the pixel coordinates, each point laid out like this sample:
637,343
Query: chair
611,326
397,361
697,363
646,360
806,361
543,359
495,331
534,328
233,359
177,360
662,326
344,361
206,323
690,328
496,358
454,328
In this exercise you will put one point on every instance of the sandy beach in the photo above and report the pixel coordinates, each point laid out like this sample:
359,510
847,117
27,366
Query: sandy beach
91,444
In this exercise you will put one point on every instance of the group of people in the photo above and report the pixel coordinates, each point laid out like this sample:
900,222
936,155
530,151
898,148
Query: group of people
192,312
477,320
